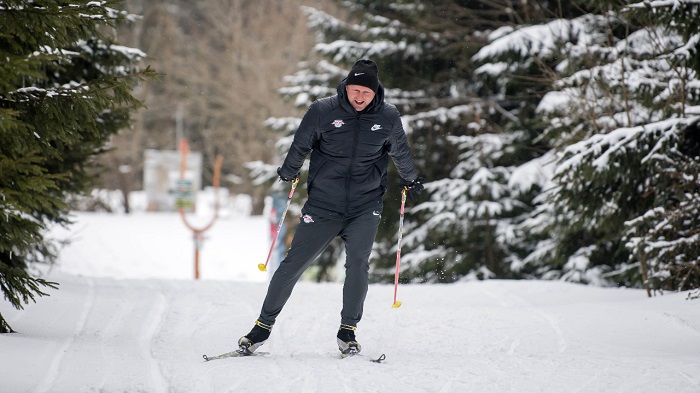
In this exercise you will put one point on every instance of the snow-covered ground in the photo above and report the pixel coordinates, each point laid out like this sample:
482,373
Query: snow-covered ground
129,318
159,245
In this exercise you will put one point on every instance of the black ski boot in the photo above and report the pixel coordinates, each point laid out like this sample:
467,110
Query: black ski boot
253,340
346,340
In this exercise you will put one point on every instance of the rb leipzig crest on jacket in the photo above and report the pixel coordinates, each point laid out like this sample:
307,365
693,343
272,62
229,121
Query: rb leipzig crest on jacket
338,123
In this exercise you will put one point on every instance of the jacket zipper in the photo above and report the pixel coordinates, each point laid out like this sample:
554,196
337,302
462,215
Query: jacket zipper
352,163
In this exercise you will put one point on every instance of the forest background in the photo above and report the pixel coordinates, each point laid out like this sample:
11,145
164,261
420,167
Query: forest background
559,139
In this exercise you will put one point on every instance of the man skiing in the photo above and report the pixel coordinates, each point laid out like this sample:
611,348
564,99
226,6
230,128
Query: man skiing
350,137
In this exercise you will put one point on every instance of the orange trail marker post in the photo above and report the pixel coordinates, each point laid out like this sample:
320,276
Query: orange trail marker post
182,203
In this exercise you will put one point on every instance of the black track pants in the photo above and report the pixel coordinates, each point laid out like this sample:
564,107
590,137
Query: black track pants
317,228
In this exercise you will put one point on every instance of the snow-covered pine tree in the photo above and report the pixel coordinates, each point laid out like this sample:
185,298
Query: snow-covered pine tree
533,52
475,212
664,240
472,224
623,117
66,88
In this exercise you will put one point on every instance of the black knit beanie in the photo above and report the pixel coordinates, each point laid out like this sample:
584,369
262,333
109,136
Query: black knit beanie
364,73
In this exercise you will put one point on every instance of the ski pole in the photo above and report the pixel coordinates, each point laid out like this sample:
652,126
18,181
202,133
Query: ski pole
261,266
397,303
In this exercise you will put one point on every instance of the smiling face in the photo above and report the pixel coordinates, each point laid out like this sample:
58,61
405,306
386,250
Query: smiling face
359,96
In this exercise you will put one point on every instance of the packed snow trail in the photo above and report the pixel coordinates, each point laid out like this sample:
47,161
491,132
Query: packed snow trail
108,335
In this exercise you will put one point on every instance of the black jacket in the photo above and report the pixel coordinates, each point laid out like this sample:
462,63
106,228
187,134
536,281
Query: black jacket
349,152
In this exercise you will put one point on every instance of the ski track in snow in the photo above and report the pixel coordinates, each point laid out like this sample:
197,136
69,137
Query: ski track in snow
509,300
147,341
52,374
107,335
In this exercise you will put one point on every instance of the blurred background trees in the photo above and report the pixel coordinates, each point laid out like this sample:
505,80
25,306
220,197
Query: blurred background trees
222,63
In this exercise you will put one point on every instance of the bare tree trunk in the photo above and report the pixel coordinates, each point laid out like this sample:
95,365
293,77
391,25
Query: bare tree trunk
645,275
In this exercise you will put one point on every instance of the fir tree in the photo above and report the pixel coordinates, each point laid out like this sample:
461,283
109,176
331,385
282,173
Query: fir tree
621,117
627,190
66,88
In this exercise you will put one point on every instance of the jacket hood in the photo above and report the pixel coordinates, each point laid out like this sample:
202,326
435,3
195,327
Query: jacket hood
373,107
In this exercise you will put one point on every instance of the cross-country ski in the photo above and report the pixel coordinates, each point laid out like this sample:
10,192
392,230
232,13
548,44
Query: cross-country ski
233,354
